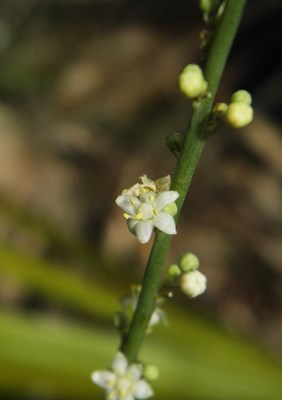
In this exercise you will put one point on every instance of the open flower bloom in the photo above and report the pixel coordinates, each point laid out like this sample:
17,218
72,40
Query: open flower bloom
124,381
147,211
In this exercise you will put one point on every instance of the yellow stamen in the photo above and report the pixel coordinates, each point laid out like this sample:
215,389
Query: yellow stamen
132,201
155,211
139,216
126,216
151,197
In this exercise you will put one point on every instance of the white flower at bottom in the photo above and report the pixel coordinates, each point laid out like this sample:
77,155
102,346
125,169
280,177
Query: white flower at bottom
124,381
193,283
147,211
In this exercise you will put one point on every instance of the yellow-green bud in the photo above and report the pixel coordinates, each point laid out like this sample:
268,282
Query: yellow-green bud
239,115
151,372
206,5
220,108
192,82
189,262
173,271
241,96
171,209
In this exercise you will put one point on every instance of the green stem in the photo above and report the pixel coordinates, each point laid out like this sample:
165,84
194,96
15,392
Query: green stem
186,165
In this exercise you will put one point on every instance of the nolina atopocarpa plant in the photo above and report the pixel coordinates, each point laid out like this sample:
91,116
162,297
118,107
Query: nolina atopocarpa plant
152,207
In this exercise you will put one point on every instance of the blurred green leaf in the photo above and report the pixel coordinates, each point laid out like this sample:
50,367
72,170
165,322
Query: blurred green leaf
56,283
49,358
55,358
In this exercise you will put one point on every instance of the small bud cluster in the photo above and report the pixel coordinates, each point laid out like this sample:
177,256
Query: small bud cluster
237,114
240,112
212,9
192,82
192,281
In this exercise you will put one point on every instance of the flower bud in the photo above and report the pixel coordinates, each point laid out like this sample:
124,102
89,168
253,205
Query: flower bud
119,320
192,82
220,108
239,115
173,271
206,5
241,96
189,262
193,283
174,142
150,372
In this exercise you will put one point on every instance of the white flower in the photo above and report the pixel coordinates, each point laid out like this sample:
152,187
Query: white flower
146,211
193,283
124,381
129,304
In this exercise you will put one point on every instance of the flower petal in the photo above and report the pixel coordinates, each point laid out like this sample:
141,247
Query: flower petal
132,224
166,198
128,396
142,390
147,211
105,379
119,364
128,203
165,223
144,231
134,372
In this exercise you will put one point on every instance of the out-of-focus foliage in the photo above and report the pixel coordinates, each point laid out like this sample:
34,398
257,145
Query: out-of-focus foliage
49,356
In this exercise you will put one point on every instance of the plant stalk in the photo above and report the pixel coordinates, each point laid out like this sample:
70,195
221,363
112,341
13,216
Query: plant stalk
196,137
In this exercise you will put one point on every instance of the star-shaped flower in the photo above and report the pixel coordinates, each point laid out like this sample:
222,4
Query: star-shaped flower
148,210
123,381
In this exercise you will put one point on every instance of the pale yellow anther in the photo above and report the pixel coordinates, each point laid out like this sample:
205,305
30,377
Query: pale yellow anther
155,211
152,197
139,216
132,201
126,216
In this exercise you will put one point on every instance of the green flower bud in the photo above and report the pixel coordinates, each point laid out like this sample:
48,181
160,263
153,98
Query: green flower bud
241,96
189,262
119,320
220,108
171,209
192,82
174,142
239,115
151,372
206,5
173,271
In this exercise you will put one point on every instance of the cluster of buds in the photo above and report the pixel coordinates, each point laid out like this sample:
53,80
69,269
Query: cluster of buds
148,205
237,114
212,9
192,282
